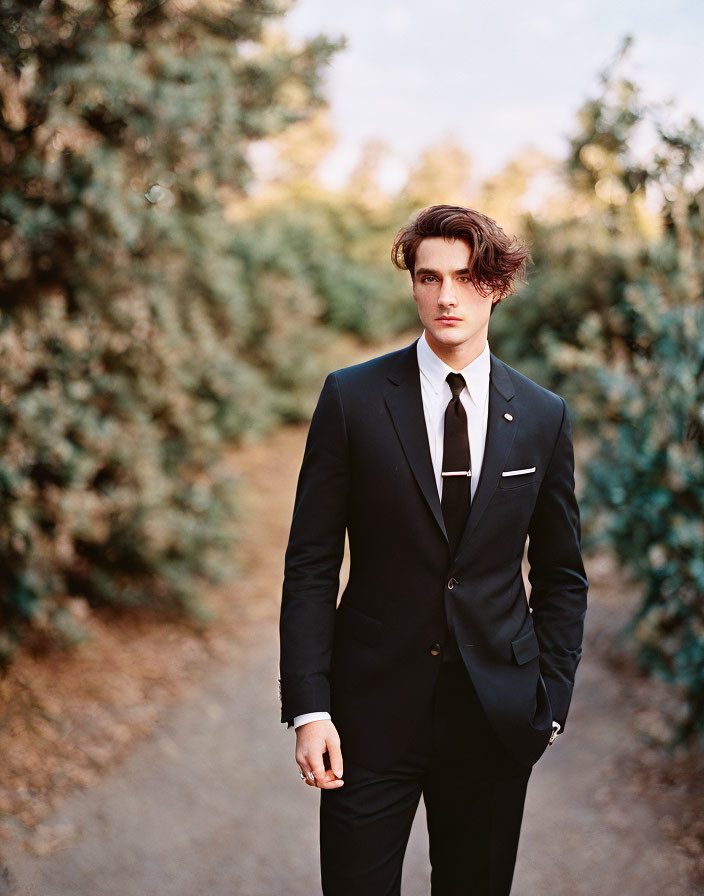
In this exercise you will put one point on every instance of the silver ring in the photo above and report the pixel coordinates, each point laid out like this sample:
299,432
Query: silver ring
303,777
311,776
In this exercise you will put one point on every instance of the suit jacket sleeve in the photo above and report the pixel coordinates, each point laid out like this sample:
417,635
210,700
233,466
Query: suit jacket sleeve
313,558
559,584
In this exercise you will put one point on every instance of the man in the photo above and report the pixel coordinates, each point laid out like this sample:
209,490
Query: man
434,676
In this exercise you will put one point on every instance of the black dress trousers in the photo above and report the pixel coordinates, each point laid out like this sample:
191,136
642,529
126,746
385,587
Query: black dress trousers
474,793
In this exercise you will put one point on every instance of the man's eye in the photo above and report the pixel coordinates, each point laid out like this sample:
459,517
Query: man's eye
428,278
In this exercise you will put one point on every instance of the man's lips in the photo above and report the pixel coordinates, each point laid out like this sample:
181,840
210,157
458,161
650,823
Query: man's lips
449,320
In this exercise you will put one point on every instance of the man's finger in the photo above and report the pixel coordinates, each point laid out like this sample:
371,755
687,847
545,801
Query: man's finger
330,784
324,779
318,770
335,754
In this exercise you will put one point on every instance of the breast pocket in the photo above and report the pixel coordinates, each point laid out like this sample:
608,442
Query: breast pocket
516,477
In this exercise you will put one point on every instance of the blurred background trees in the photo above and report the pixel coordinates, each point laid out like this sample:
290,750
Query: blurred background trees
176,277
133,305
612,318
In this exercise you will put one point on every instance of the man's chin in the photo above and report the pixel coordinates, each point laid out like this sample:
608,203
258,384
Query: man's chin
449,336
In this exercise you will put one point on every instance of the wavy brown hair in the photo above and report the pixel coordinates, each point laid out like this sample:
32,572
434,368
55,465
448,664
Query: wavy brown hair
495,262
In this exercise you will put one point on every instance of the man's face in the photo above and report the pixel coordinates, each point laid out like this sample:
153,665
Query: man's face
454,314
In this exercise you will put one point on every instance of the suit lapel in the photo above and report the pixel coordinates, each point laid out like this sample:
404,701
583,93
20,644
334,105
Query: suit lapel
500,434
405,404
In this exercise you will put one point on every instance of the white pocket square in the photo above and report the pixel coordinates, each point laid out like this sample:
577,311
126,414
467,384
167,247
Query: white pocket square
518,472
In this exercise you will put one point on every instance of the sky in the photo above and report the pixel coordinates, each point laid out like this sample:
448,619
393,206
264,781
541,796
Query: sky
497,75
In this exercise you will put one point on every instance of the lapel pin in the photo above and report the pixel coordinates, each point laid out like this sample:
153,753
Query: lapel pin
508,416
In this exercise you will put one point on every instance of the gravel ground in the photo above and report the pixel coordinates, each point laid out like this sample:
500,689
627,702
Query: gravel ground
211,802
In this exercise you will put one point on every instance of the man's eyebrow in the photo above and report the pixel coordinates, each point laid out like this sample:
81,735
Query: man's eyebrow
420,271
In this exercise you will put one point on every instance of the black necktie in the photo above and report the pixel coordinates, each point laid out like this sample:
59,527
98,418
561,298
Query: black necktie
456,492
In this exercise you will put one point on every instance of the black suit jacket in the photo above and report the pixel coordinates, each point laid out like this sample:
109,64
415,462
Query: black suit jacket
367,470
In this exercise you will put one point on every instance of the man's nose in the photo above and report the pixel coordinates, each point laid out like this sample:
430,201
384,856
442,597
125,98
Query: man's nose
447,293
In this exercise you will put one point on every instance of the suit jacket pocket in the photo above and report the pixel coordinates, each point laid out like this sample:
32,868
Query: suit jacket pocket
356,624
516,480
526,648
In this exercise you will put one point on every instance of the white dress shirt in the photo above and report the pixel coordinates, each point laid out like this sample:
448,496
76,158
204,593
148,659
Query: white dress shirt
436,394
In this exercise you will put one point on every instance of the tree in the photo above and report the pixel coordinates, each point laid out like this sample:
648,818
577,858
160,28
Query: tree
612,318
125,329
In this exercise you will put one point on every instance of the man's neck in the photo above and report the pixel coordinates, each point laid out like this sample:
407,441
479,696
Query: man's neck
458,356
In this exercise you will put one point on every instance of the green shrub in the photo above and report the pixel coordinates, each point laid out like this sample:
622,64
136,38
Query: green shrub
612,318
127,338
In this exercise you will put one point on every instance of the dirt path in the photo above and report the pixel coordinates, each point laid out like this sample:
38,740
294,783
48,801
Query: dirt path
211,803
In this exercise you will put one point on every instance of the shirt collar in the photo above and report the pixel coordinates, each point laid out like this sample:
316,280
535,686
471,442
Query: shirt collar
476,373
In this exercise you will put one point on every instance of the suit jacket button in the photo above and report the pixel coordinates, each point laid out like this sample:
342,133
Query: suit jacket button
434,650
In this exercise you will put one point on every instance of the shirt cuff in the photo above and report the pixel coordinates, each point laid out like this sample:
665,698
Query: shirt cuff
309,717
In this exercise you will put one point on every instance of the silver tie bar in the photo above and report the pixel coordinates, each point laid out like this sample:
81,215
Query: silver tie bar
456,473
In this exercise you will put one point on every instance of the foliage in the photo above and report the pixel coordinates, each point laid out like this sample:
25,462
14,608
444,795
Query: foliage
645,488
612,318
130,345
323,243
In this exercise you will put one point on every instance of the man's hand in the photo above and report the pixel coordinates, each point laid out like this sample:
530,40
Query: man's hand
313,741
